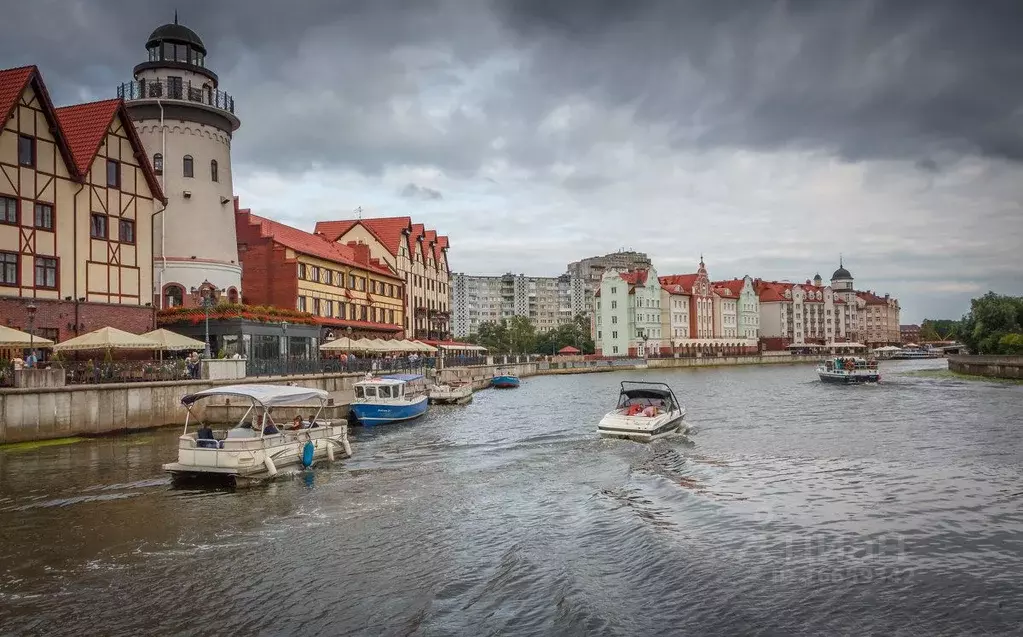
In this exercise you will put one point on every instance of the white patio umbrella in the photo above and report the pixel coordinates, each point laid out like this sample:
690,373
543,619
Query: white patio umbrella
343,344
106,338
172,341
10,337
423,347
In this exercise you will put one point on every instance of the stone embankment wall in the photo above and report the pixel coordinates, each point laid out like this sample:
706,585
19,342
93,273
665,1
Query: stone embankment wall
990,366
44,413
588,367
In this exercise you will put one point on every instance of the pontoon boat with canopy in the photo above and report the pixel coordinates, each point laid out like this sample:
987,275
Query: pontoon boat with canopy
645,411
257,447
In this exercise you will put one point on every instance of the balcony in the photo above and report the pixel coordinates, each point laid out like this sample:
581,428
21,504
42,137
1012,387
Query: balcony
153,90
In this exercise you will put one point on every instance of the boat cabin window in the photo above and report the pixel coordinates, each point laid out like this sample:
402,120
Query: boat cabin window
384,391
361,391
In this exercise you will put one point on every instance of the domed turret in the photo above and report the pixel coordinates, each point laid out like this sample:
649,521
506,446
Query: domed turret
186,124
842,279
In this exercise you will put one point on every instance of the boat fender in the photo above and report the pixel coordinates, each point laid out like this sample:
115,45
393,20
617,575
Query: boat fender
271,468
330,451
307,453
348,446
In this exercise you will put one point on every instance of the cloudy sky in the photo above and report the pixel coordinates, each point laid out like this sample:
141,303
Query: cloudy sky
770,136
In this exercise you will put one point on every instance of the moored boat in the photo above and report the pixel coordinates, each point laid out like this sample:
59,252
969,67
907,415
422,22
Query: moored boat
504,381
257,448
849,369
388,399
456,393
645,412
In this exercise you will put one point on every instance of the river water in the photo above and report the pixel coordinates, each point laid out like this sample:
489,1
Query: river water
794,508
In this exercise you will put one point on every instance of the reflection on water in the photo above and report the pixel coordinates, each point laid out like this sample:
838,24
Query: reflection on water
795,508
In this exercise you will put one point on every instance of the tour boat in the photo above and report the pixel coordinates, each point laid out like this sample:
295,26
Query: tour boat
456,393
257,448
390,398
505,381
849,369
645,412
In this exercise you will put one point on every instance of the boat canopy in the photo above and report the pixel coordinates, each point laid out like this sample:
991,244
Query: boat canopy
266,395
405,378
646,390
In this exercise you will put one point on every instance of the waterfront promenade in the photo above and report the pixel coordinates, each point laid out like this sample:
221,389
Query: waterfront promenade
33,414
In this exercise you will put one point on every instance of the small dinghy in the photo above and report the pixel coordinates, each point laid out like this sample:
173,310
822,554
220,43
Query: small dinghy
645,412
457,393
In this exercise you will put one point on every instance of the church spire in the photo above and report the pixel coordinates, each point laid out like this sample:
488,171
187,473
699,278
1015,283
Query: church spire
175,16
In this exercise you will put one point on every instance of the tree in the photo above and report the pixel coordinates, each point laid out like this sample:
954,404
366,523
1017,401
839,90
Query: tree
992,321
517,335
939,330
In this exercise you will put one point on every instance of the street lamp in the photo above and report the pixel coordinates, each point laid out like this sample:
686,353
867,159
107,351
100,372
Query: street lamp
207,301
31,309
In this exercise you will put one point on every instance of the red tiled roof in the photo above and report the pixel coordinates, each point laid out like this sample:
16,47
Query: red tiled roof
685,281
769,291
872,299
430,243
387,230
733,285
311,244
414,244
333,230
634,277
85,126
12,85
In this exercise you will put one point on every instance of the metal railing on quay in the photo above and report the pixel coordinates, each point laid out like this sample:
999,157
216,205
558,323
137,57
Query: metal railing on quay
97,373
299,367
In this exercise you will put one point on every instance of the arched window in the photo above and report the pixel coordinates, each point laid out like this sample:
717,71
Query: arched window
173,296
214,175
158,163
186,166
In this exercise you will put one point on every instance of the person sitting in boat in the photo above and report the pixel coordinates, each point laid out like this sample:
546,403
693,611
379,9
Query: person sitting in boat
650,411
204,433
296,423
312,421
270,429
634,409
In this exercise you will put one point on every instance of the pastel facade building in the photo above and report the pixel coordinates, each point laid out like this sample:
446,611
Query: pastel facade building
627,313
590,271
800,314
419,256
77,199
186,123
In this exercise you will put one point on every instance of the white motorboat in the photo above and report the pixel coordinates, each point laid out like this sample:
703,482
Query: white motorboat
457,393
849,369
645,412
257,448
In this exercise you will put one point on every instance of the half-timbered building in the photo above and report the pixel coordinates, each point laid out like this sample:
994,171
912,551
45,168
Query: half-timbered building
77,200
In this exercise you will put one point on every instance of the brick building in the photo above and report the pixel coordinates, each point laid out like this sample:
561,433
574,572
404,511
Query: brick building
418,255
341,284
77,200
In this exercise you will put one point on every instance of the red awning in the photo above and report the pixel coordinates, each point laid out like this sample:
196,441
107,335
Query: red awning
568,349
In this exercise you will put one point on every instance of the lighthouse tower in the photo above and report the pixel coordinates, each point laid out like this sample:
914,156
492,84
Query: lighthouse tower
186,122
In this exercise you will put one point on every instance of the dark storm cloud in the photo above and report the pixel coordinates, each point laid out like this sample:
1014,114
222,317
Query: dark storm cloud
865,79
329,82
415,191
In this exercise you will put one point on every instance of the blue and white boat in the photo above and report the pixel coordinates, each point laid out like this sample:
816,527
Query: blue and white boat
390,398
504,381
